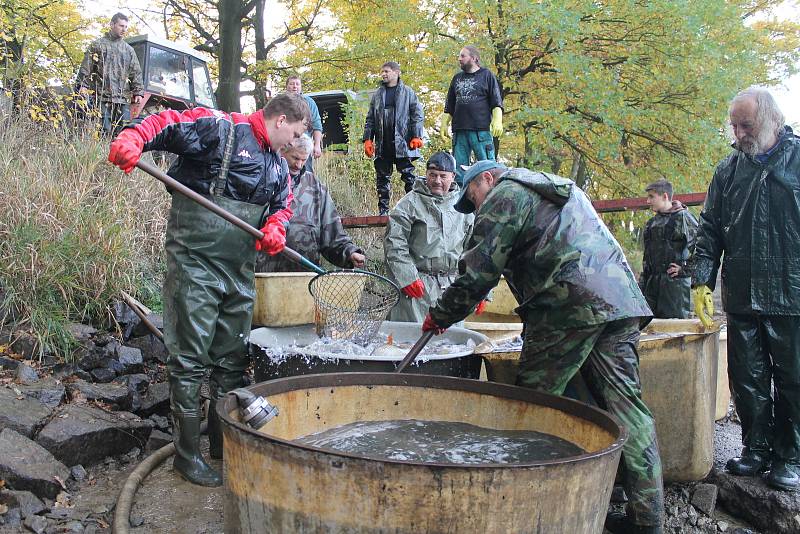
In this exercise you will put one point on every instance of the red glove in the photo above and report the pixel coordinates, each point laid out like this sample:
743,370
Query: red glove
126,150
480,308
429,324
415,289
369,148
415,143
274,240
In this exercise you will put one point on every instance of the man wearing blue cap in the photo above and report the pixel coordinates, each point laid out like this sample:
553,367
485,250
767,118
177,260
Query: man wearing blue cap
579,302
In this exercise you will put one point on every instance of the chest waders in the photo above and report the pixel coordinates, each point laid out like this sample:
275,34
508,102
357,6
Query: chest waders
208,299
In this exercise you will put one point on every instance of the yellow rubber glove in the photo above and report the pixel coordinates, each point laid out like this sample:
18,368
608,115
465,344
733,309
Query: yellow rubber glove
703,305
444,126
496,126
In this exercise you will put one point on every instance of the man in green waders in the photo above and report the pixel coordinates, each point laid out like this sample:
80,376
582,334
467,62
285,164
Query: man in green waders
208,294
579,302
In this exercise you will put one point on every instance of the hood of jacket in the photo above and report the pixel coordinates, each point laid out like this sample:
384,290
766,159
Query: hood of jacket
554,188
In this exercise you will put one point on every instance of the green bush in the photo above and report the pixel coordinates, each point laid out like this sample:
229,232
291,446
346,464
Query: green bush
74,233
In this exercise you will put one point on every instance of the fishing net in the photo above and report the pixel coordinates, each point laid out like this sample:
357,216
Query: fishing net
351,304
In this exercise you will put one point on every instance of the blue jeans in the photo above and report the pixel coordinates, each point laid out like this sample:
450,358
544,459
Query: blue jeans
466,142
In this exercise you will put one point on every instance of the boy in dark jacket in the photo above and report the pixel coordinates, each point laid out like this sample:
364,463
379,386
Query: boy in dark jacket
668,241
208,289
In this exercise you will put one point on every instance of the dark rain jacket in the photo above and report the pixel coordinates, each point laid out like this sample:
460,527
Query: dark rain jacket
751,220
668,238
561,262
256,175
111,70
408,121
315,228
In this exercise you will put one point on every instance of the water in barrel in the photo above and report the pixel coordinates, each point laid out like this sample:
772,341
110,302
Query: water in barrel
442,442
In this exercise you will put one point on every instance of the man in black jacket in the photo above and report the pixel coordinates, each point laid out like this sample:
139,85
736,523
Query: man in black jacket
393,132
209,285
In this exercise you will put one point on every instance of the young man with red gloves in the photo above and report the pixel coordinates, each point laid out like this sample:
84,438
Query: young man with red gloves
208,293
393,132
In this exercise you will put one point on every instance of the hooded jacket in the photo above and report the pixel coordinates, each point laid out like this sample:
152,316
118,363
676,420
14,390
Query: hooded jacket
111,69
424,239
408,120
561,262
751,221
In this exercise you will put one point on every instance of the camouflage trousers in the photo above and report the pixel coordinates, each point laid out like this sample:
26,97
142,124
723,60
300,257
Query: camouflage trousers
606,357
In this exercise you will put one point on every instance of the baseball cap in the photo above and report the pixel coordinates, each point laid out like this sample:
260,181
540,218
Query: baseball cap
442,161
465,205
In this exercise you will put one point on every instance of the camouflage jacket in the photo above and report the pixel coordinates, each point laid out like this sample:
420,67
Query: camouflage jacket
111,70
668,238
562,264
751,220
315,228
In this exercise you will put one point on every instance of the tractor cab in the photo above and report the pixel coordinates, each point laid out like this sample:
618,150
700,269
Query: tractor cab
174,76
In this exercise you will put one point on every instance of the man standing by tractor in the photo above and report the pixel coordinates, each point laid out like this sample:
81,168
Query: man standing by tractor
295,85
393,133
110,76
579,302
209,289
474,107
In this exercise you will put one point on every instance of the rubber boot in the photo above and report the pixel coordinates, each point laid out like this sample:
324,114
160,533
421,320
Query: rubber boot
188,462
783,476
619,523
749,464
214,432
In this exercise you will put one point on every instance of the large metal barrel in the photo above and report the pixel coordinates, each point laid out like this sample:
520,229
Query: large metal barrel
275,485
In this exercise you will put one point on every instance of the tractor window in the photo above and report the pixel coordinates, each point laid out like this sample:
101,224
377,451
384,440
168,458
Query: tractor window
203,93
167,73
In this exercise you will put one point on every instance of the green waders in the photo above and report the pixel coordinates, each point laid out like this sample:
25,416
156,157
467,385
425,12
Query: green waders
606,357
208,305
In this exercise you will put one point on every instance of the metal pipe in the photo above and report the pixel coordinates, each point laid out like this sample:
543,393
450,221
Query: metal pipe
139,313
415,350
172,183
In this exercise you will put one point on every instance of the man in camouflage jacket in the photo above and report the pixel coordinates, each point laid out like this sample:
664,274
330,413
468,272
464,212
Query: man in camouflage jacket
579,301
111,77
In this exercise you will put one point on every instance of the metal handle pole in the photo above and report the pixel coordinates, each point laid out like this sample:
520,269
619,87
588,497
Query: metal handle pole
415,350
172,183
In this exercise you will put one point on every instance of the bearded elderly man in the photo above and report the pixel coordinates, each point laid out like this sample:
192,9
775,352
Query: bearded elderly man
579,302
751,219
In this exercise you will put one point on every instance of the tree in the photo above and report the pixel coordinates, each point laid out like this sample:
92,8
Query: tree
233,32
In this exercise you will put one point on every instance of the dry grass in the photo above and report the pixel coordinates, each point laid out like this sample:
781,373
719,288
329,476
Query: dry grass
74,231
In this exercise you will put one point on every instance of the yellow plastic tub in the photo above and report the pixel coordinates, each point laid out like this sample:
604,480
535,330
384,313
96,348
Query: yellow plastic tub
282,299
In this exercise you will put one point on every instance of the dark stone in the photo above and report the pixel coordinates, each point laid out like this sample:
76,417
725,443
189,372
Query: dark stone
48,391
142,330
123,314
90,357
27,502
25,344
86,435
80,374
156,400
63,370
8,363
20,413
137,383
161,422
81,332
26,375
131,359
12,518
35,523
157,440
136,520
25,465
114,394
704,498
774,511
103,375
152,348
71,526
78,473
102,339
116,366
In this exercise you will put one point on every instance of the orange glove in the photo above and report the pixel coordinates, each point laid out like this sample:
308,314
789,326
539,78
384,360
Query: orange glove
126,150
274,240
480,308
369,148
415,289
415,143
429,324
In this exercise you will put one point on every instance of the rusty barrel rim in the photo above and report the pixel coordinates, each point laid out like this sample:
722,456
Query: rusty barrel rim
602,419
